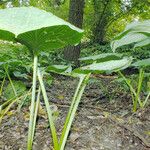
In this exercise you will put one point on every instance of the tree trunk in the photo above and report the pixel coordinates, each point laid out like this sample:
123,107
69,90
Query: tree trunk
76,11
100,31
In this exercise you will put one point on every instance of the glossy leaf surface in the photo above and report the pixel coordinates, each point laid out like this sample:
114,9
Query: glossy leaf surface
112,65
136,32
37,29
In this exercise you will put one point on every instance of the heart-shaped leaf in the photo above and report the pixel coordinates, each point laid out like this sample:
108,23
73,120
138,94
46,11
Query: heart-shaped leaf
137,32
112,65
37,29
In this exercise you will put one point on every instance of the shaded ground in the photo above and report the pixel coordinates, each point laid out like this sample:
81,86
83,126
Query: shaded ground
99,124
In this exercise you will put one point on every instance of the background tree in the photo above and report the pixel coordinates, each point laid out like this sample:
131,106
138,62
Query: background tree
107,12
76,11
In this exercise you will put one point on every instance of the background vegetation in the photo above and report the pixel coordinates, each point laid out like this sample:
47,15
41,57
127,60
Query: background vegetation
101,20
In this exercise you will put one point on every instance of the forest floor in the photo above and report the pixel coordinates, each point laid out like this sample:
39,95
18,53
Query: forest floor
99,124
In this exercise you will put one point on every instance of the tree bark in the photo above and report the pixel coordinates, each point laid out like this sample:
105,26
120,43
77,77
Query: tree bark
76,11
99,31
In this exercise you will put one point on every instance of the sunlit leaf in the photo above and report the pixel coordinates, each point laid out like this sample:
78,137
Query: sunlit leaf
102,57
112,65
37,29
137,33
143,42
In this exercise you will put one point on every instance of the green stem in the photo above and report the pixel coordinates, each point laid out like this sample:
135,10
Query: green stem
141,76
71,107
144,103
36,111
6,110
128,83
23,101
7,105
2,85
71,114
12,85
32,107
49,112
132,91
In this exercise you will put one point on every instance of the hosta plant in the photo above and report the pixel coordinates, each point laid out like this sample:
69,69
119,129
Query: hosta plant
100,65
38,31
136,91
138,34
11,92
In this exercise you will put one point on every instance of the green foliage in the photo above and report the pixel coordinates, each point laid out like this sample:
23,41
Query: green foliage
110,17
20,89
59,69
108,65
102,57
35,33
52,6
16,58
127,50
142,63
90,49
138,53
40,31
137,33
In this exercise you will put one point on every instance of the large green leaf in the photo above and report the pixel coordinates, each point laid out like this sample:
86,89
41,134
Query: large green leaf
137,32
37,29
65,70
102,57
60,69
112,65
